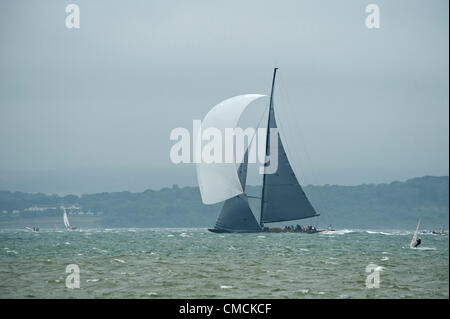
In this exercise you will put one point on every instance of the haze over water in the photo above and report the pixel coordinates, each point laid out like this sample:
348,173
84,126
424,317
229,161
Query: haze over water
194,263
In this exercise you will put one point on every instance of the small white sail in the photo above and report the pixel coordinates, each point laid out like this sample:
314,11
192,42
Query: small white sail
415,235
66,219
220,181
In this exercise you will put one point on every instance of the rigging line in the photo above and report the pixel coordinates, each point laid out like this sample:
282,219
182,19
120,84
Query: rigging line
258,208
262,117
281,127
259,124
291,115
256,128
302,139
311,171
292,154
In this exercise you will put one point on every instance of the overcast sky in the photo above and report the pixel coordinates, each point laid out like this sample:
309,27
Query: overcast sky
91,109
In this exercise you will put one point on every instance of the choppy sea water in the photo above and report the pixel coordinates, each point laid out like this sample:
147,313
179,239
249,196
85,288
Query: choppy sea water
194,263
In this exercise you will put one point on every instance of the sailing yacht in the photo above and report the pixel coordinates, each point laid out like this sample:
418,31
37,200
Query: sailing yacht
66,221
283,199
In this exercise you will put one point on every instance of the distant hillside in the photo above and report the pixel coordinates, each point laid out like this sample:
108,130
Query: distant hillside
393,206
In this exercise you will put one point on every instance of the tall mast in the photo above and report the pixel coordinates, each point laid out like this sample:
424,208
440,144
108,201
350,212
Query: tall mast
267,144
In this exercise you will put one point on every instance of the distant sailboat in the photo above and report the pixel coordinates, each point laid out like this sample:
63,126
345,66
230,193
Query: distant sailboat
283,199
66,221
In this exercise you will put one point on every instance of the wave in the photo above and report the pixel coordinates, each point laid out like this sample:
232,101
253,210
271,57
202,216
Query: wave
303,291
338,232
92,280
425,248
379,232
379,268
119,260
370,232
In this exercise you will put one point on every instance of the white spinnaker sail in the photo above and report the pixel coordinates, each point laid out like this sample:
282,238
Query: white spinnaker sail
415,235
66,220
220,181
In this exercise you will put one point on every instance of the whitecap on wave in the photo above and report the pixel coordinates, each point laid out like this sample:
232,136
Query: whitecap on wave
92,280
425,248
119,260
101,250
379,232
338,232
304,291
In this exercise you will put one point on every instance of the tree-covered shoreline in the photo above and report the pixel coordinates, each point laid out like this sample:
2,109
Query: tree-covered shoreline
395,205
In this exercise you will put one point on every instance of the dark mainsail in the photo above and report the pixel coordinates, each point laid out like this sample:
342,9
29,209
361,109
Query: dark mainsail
283,198
236,215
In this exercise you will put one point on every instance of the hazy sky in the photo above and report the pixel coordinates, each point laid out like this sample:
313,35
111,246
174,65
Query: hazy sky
91,109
